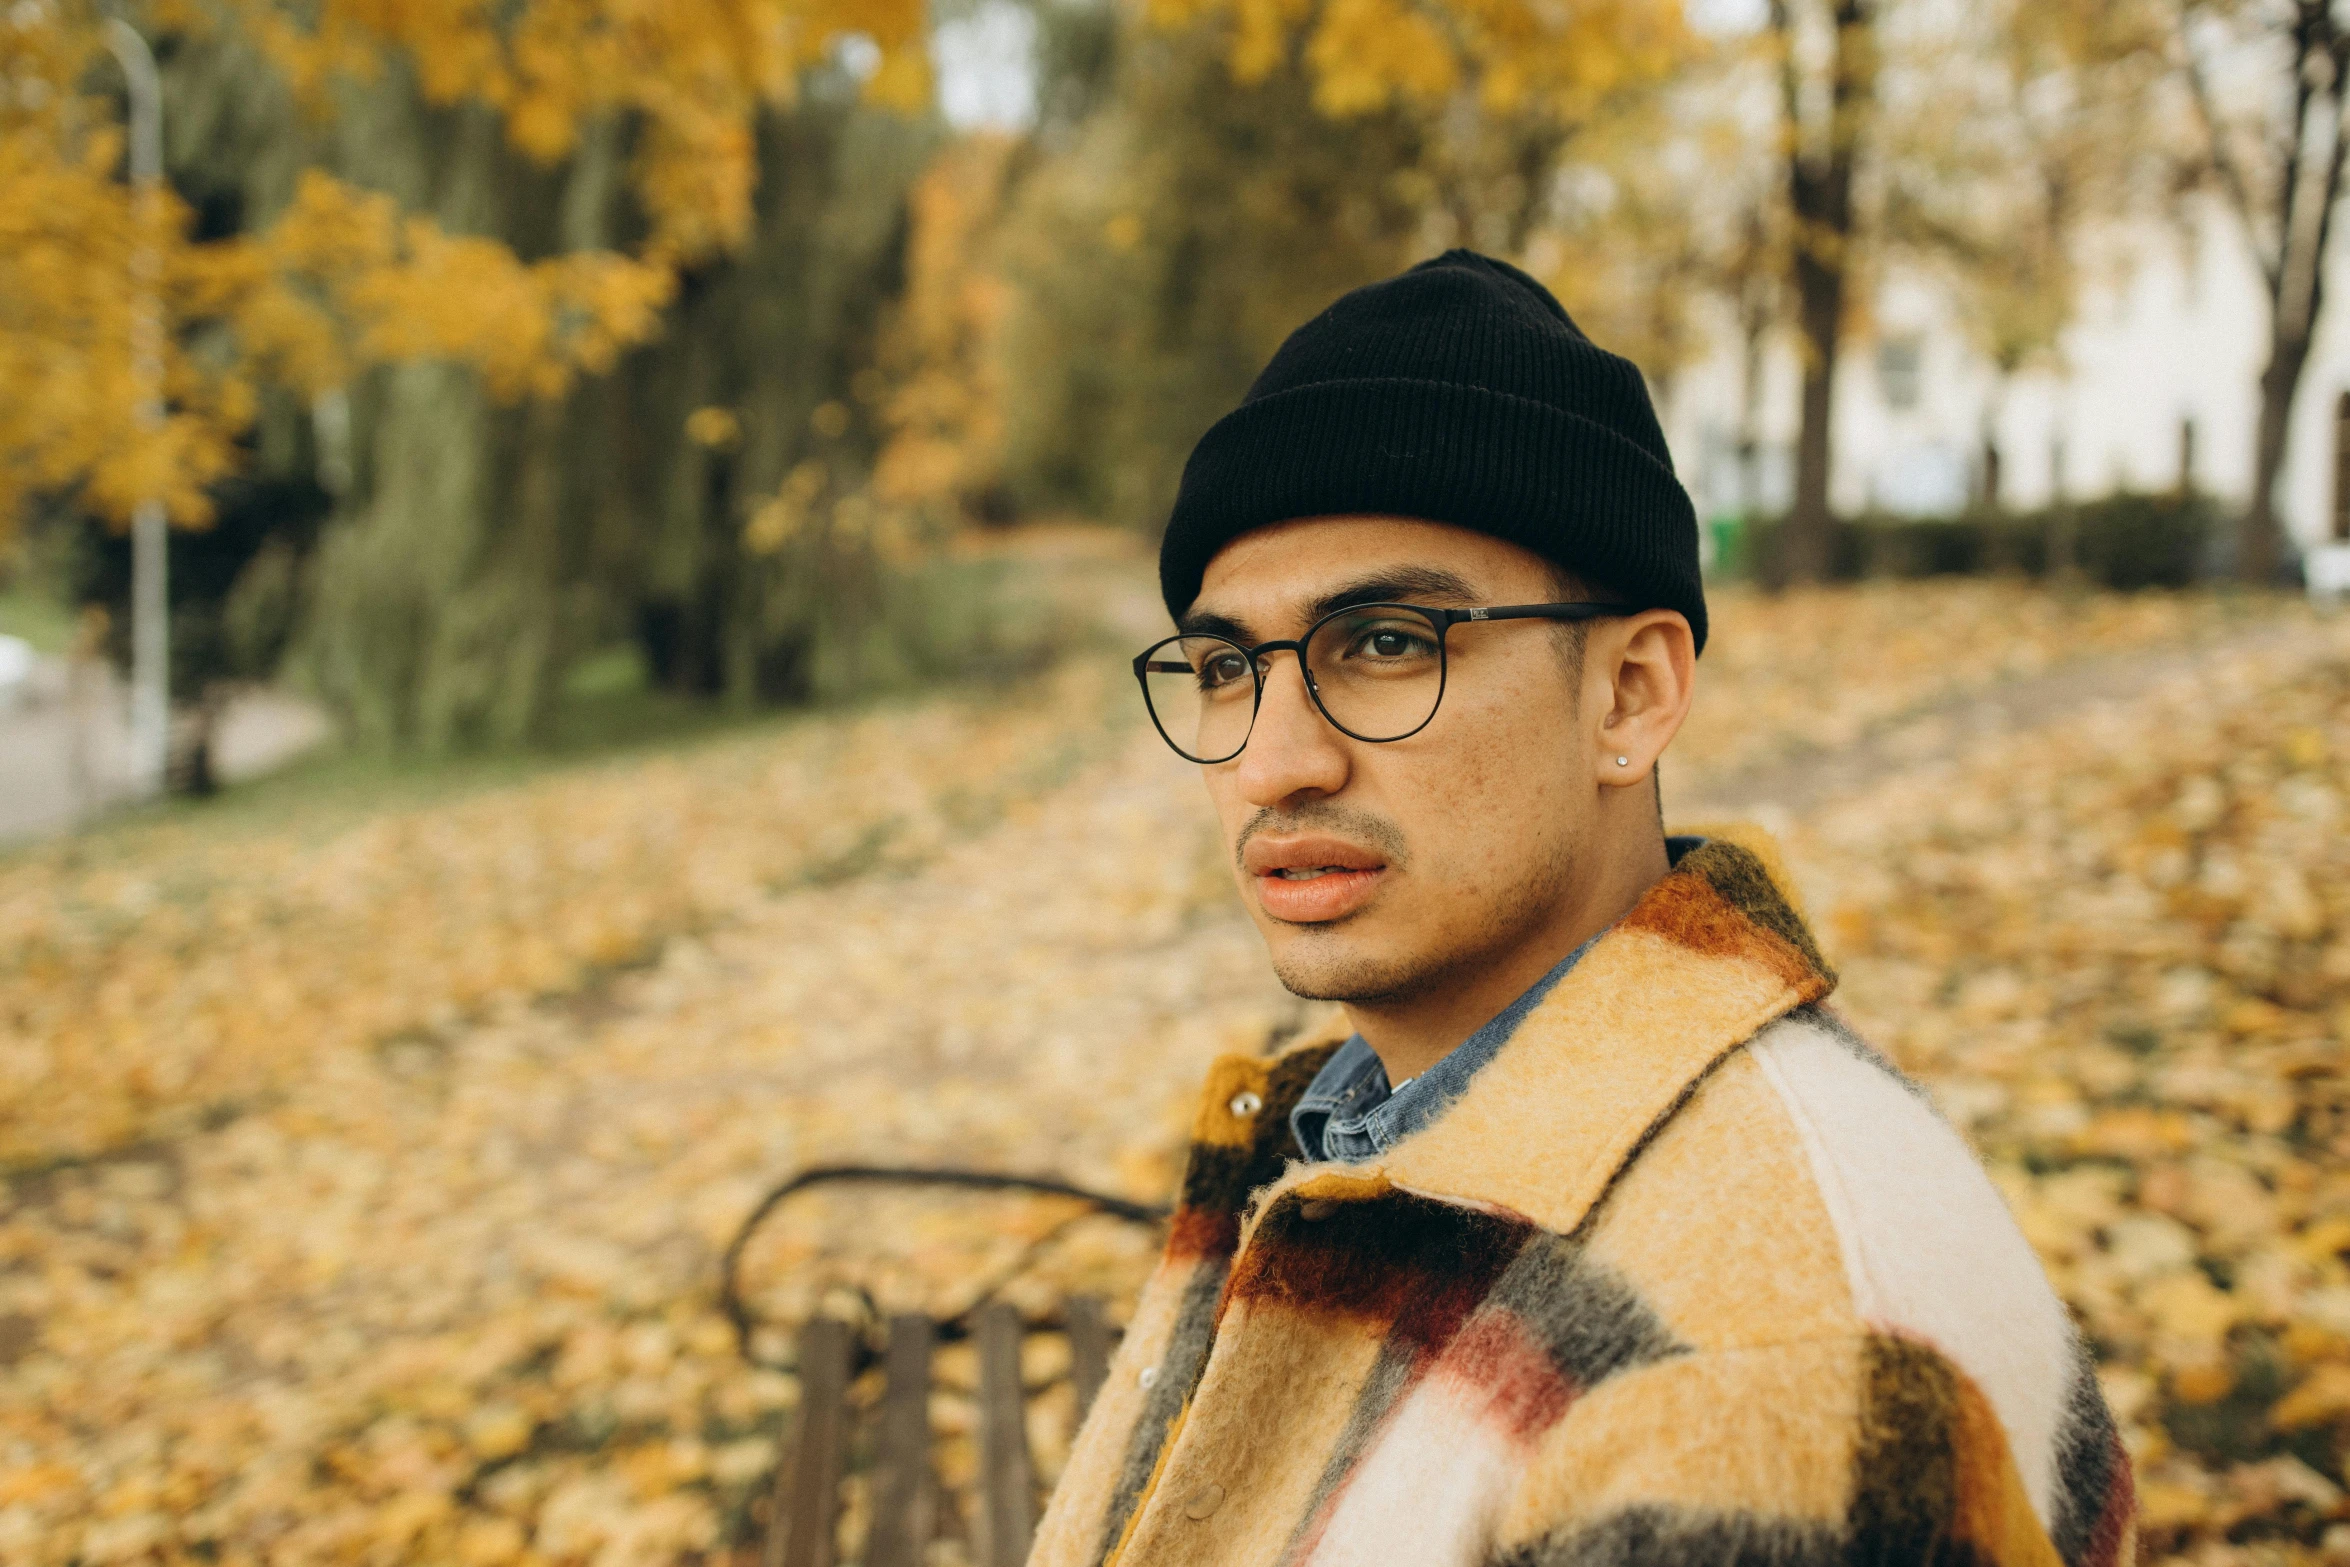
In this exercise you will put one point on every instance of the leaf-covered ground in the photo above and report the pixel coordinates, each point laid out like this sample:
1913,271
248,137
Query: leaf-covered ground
370,1181
2118,950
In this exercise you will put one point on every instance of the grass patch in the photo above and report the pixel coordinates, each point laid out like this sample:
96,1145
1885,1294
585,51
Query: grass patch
608,717
41,620
336,786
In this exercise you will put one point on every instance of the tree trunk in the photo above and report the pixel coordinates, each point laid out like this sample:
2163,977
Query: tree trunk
2261,537
2287,209
772,335
1807,548
1753,323
1821,160
1999,553
2062,541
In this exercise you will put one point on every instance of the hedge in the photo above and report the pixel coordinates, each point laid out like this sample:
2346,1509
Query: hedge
2124,540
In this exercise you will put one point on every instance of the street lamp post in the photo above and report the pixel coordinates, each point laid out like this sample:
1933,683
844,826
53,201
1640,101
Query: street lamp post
150,615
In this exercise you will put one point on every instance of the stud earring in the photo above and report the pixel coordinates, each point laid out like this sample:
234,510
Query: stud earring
1623,761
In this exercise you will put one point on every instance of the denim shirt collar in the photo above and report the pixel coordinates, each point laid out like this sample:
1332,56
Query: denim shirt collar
1348,1112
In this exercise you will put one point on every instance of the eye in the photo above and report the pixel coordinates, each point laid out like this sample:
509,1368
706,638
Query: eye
1218,670
1390,642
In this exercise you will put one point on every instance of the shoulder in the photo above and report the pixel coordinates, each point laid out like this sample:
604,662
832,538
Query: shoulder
1926,1240
1807,1191
1868,1447
1807,1154
1810,1138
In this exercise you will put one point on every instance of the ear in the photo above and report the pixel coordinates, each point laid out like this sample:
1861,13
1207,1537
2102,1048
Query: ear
1639,674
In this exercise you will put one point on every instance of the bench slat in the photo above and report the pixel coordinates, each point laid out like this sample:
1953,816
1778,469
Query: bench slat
807,1489
903,1497
1089,1348
1007,1481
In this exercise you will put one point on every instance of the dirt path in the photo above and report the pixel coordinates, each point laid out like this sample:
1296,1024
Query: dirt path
65,746
1788,788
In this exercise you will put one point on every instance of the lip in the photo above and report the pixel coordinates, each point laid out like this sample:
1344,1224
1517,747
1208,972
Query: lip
1350,876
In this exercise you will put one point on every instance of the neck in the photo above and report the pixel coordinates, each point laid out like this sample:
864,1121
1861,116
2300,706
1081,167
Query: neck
1412,1033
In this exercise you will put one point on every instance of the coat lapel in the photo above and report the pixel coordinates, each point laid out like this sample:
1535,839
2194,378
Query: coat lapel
1713,953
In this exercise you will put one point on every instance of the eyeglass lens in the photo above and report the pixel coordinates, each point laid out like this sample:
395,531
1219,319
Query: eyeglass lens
1377,672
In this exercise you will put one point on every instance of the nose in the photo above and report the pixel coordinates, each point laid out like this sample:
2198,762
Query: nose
1292,751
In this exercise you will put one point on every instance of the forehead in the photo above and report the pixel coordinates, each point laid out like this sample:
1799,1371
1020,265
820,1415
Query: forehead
1277,573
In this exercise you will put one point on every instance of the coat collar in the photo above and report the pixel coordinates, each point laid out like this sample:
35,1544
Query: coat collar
1710,955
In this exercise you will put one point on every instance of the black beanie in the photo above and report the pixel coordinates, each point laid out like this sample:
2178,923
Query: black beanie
1459,392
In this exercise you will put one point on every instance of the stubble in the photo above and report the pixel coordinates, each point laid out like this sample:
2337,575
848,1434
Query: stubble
1329,962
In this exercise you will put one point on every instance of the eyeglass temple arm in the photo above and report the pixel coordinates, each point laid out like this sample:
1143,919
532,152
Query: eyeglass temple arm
1454,617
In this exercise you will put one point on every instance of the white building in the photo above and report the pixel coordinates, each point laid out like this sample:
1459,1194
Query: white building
2161,368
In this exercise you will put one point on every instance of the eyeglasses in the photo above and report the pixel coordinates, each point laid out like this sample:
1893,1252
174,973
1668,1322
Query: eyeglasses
1375,670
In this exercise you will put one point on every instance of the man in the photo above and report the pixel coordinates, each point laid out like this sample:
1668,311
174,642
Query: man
1585,1234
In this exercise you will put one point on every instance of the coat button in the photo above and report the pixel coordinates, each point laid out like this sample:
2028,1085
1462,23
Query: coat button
1245,1104
1316,1210
1149,1377
1204,1501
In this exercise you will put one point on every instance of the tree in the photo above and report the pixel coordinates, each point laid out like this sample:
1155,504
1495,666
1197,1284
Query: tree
523,246
349,278
1827,61
1495,57
2006,175
1162,254
1750,275
1981,141
231,596
2278,143
1241,163
75,250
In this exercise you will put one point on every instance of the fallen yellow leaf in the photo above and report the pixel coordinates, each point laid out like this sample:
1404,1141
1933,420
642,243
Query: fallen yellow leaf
2321,1398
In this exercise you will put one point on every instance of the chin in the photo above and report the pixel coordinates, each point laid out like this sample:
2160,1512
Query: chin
1325,966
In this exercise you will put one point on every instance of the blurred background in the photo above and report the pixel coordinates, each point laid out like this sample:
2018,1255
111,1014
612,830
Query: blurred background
565,574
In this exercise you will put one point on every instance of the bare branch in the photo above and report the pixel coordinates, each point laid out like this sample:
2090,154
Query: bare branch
2307,16
1790,79
2271,260
2337,49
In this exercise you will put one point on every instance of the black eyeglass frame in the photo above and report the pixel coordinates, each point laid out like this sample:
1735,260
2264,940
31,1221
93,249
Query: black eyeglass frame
1442,619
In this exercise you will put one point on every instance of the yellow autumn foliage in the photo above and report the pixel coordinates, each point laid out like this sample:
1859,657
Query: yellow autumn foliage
343,277
73,244
943,408
692,72
1514,55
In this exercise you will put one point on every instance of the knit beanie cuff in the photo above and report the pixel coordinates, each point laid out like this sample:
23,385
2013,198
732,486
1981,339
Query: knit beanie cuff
1565,487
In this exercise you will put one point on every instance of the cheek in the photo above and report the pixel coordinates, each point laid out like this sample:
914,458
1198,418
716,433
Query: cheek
1232,812
1497,798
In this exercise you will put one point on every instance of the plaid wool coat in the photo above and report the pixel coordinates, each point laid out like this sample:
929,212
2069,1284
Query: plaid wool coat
1687,1275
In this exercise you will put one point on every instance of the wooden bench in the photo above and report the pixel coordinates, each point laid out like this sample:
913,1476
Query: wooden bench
805,1507
804,1522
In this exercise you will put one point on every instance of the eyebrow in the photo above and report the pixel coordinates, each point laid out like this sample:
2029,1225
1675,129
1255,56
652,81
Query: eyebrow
1400,585
1403,585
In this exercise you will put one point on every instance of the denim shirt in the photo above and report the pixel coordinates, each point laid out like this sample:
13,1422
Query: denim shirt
1349,1113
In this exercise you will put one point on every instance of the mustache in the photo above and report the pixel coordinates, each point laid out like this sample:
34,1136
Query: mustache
1341,821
